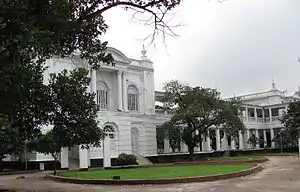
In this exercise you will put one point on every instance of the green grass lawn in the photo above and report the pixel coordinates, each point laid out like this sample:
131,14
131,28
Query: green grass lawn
158,172
236,158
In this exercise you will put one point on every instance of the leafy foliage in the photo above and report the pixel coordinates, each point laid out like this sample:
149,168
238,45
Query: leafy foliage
197,109
126,159
291,120
48,144
73,109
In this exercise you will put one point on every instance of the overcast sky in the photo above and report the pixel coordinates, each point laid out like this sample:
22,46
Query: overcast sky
237,46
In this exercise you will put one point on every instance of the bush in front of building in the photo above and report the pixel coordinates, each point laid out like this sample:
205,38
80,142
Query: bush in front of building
126,159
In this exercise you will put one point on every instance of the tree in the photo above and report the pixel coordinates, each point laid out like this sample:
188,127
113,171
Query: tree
35,30
48,144
73,110
173,134
6,139
198,109
291,120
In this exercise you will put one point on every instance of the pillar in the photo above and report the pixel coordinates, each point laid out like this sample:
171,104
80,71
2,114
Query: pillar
248,137
83,158
225,142
166,146
64,158
208,143
241,143
255,113
125,102
94,83
257,135
270,114
218,143
233,146
246,112
120,90
106,152
265,138
272,137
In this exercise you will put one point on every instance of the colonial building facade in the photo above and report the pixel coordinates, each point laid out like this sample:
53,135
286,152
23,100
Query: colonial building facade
261,115
126,96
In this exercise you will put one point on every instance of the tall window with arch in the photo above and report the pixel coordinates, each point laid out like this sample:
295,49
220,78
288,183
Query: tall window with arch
132,96
110,132
102,95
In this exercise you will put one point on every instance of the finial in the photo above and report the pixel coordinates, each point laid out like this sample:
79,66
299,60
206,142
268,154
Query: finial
144,52
273,84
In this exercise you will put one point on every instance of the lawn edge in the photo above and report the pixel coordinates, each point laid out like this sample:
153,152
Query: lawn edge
246,172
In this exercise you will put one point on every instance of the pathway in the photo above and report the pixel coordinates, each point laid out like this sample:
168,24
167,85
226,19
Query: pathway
279,174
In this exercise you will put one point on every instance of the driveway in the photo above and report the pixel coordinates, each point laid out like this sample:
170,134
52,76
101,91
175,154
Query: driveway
280,174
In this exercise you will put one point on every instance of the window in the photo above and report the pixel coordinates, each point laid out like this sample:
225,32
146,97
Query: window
109,131
132,99
102,95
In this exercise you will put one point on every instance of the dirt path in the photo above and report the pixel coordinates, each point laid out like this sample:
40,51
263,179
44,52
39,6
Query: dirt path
280,174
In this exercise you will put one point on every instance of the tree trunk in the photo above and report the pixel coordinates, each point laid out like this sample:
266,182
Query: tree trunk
1,164
191,153
54,166
25,156
299,144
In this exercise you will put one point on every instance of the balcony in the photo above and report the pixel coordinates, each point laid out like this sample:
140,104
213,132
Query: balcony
262,120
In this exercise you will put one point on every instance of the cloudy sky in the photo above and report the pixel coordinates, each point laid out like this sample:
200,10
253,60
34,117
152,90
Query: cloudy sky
237,46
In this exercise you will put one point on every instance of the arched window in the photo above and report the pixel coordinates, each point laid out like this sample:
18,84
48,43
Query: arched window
102,95
132,98
110,132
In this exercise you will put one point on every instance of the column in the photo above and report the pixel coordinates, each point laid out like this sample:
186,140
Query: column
225,142
270,114
94,83
125,102
246,112
120,90
64,158
233,143
166,146
218,143
272,137
106,152
208,143
241,144
83,158
265,137
255,113
257,135
248,137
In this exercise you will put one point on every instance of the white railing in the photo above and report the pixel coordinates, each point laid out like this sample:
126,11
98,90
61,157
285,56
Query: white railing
163,112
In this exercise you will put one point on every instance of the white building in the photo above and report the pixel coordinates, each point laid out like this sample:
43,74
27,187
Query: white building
261,117
126,96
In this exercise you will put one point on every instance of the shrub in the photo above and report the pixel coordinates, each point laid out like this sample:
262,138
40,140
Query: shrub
126,159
